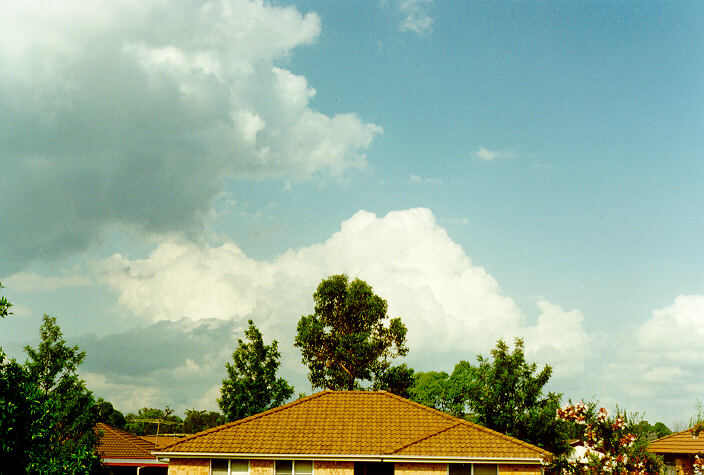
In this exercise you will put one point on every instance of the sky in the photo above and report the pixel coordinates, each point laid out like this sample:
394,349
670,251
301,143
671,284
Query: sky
169,170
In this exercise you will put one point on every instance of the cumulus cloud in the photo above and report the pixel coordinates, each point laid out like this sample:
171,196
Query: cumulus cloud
657,365
416,17
134,113
448,303
489,155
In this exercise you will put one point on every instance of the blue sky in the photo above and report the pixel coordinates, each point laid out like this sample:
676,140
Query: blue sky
493,169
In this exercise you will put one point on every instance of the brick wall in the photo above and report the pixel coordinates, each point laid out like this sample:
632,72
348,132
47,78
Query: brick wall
420,469
333,468
261,467
189,467
520,469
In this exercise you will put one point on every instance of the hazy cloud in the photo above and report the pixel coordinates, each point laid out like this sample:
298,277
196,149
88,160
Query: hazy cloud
489,155
135,113
416,17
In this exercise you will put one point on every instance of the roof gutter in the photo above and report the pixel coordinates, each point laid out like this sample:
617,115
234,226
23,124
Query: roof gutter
353,458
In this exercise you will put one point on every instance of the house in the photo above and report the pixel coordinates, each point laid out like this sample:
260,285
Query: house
124,453
678,451
352,433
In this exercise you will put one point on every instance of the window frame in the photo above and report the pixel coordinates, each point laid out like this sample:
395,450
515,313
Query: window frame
471,466
229,466
293,465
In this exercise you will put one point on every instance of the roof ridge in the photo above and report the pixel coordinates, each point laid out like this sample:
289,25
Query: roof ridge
421,406
125,437
506,436
471,424
248,418
674,434
123,434
423,437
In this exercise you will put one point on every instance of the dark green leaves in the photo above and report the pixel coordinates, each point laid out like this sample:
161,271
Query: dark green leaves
251,385
345,342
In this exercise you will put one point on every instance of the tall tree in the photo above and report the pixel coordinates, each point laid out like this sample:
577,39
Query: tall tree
109,415
54,367
396,379
345,342
46,426
505,393
251,385
197,421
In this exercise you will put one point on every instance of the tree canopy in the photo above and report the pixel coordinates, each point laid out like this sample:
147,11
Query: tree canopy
197,421
5,305
47,415
252,385
345,341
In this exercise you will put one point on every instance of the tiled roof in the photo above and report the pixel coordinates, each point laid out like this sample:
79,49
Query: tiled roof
118,444
374,423
161,440
678,443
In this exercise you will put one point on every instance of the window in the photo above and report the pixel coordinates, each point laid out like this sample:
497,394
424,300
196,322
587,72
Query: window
229,467
472,469
294,467
485,469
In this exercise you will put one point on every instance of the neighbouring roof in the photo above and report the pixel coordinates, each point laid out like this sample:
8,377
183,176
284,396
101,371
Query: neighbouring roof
118,447
678,443
356,424
161,440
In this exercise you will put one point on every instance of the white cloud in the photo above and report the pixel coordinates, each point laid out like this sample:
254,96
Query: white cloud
134,113
489,155
416,18
559,339
448,303
657,365
424,181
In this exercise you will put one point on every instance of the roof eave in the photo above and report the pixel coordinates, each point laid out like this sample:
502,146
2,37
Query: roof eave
354,458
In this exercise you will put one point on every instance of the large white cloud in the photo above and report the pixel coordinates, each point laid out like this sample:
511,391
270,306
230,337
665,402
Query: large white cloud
135,112
453,309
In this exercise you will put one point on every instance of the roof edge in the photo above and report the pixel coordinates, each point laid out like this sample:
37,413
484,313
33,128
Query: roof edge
351,458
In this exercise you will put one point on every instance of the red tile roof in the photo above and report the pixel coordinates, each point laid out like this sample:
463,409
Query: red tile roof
678,443
355,423
118,447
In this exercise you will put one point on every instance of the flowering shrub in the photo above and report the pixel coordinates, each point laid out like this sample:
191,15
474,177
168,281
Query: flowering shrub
607,444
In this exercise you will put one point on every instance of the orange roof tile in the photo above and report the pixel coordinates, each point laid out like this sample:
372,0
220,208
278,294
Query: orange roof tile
355,423
118,444
161,440
678,443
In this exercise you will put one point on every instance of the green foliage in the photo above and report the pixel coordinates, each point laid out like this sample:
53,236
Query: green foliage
251,385
396,379
109,415
53,364
47,424
345,341
26,421
430,388
4,305
197,421
152,421
505,393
